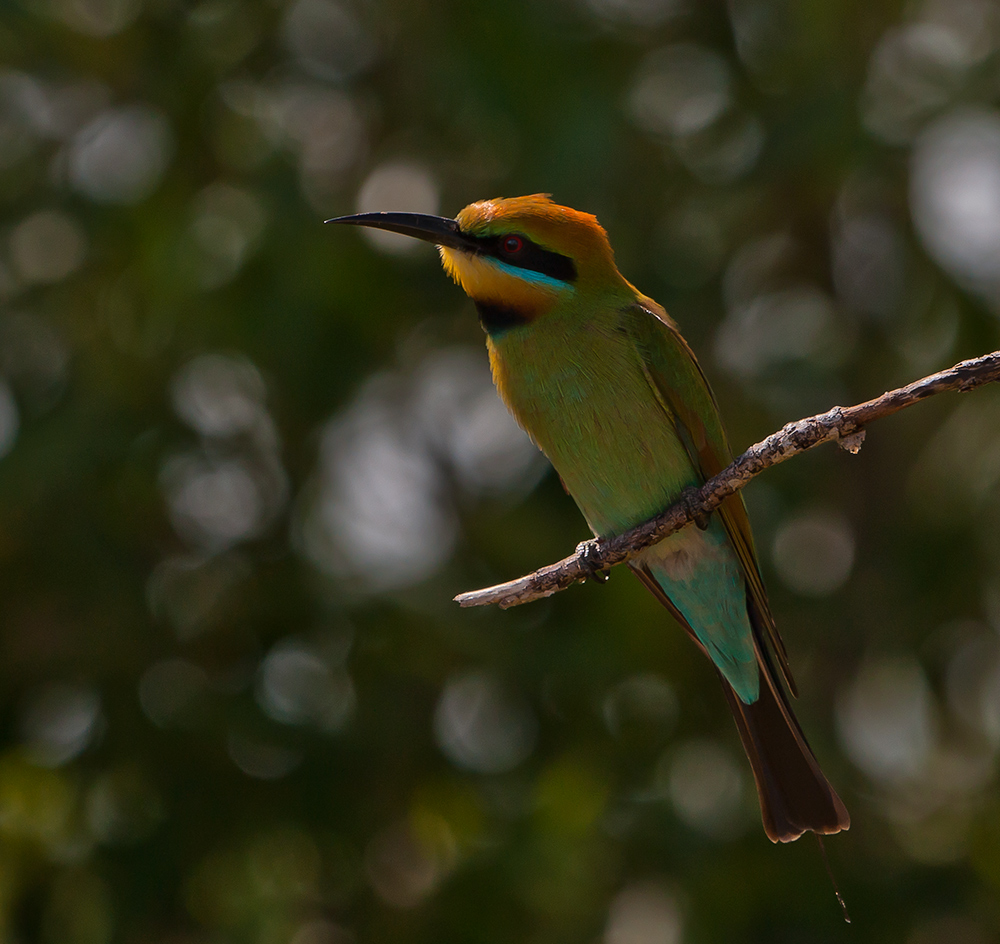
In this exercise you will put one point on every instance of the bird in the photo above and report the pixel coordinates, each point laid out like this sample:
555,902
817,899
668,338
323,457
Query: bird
602,381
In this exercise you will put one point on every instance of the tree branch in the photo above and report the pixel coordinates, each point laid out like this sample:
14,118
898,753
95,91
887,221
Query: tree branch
843,425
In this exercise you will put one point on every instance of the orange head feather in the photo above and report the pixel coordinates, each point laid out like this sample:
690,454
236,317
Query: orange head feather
570,251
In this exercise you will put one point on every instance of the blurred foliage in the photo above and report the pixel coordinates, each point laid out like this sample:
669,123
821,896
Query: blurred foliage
247,461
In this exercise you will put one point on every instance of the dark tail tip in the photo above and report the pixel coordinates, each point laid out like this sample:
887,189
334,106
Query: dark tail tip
795,796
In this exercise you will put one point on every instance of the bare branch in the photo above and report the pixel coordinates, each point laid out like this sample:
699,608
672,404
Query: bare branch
843,425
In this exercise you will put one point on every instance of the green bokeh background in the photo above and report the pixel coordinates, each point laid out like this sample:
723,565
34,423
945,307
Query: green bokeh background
221,721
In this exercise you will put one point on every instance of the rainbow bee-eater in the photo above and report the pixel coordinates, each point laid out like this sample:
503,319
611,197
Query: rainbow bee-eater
602,381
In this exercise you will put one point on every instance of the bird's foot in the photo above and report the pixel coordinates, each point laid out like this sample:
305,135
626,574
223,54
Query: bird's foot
690,498
596,571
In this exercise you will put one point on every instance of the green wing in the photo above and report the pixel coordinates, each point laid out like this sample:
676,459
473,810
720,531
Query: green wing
682,389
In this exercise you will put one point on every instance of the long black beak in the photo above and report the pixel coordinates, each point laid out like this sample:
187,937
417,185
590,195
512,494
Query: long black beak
431,229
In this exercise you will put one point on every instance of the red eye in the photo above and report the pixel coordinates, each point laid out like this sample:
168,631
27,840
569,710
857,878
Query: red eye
513,244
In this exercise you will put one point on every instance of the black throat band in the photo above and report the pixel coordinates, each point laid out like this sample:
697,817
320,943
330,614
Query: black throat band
496,318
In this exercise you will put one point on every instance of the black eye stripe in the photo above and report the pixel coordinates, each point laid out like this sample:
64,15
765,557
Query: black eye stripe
530,256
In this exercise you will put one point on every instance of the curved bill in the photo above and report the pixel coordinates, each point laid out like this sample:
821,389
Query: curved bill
431,229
